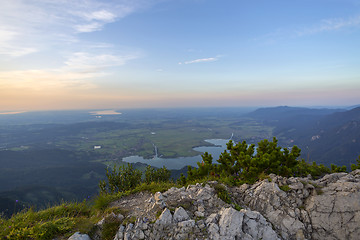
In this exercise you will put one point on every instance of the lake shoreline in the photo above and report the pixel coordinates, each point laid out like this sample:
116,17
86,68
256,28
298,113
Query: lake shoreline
215,149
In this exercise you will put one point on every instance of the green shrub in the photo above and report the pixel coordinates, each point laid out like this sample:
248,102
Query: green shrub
241,164
205,169
303,169
335,169
182,180
120,179
156,175
126,178
356,166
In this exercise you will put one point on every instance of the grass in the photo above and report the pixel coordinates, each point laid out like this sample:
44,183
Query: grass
109,228
263,176
62,220
222,193
103,200
158,213
285,188
237,207
318,189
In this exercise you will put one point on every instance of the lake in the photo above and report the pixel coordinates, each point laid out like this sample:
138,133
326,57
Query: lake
178,163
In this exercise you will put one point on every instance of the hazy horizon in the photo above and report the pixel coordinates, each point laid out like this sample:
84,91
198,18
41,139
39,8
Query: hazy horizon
118,111
125,54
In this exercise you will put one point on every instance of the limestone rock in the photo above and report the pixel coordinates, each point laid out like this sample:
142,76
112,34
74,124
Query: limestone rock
212,218
158,197
328,208
120,233
187,224
165,217
335,212
180,215
255,225
230,223
78,236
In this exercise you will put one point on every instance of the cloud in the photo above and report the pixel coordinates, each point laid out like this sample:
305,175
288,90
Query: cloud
34,25
8,45
43,80
200,60
102,15
91,62
333,24
92,27
78,72
95,21
16,51
324,25
53,27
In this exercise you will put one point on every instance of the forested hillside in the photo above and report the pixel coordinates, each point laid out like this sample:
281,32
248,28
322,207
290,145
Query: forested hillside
324,135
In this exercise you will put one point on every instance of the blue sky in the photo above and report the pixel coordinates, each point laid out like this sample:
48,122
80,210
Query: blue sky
93,54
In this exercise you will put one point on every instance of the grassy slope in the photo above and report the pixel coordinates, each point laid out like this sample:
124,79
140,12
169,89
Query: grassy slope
63,220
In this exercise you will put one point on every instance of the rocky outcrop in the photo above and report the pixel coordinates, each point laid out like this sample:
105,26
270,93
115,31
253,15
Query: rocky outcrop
194,213
275,208
300,208
335,212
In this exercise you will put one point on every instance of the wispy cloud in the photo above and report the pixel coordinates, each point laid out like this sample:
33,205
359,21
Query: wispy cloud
78,72
200,60
324,25
86,61
96,20
44,80
92,27
8,45
332,24
103,15
28,26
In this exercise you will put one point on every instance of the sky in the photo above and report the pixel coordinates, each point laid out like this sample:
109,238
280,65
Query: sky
92,54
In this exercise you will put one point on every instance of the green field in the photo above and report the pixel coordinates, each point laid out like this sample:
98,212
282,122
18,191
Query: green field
171,139
175,133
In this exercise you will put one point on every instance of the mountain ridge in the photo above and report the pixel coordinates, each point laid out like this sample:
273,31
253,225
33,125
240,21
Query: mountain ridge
325,135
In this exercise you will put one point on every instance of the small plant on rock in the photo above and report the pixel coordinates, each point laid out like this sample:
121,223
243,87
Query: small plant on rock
285,188
222,193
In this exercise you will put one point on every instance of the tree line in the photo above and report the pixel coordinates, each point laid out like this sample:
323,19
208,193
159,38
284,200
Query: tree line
240,163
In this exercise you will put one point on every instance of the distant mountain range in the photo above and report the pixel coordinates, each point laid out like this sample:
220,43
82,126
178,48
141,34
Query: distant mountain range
324,135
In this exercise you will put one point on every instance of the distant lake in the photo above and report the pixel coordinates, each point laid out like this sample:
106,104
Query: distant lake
105,112
178,163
